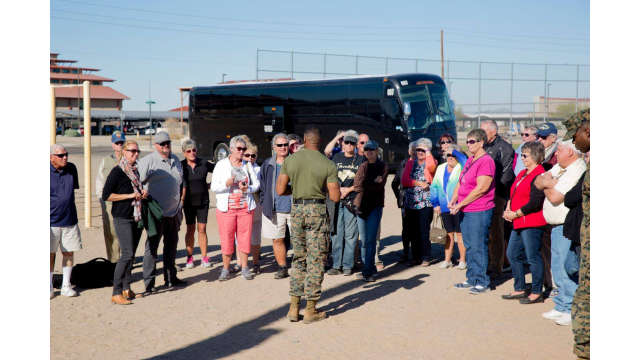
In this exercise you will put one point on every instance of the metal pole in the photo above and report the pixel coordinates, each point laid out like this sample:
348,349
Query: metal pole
53,116
577,82
545,93
291,64
479,91
324,66
511,101
86,97
181,106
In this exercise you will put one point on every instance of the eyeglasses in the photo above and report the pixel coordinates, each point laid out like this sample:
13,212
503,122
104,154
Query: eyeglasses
349,143
450,156
421,150
524,156
253,156
241,148
282,145
189,151
165,143
542,137
119,143
525,134
61,155
471,141
135,151
369,149
445,142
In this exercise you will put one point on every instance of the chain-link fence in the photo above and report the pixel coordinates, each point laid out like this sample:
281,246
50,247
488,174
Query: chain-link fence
479,88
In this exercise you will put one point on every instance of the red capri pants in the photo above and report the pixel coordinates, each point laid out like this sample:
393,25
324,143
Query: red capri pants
232,225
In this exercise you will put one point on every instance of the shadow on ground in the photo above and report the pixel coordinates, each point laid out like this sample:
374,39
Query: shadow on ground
251,333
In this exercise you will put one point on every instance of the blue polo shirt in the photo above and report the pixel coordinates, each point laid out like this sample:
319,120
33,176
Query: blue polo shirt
62,199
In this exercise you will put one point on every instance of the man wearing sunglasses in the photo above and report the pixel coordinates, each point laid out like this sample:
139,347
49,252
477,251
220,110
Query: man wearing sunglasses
362,140
161,176
106,165
547,134
63,220
195,197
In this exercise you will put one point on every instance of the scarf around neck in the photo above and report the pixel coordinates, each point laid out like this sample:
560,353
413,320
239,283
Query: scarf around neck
132,173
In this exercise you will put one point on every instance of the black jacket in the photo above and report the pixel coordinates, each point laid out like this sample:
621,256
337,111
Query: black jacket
396,184
573,220
502,154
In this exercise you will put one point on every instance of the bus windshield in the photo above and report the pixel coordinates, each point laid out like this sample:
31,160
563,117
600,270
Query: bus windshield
429,103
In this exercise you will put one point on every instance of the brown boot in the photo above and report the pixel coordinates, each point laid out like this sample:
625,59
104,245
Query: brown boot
294,309
311,314
119,300
128,294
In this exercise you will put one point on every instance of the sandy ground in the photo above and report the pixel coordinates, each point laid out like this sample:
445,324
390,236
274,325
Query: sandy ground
407,313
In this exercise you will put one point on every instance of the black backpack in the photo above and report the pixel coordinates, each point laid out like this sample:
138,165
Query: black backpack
95,273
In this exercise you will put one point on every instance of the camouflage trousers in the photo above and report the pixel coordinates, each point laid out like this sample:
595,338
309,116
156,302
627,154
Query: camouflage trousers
109,230
310,242
580,311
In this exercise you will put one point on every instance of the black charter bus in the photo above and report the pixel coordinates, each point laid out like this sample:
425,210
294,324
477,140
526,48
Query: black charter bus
392,110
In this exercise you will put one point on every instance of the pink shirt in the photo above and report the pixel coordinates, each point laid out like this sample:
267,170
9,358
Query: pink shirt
484,166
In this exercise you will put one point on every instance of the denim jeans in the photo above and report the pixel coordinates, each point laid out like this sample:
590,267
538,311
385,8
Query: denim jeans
475,236
566,287
343,243
361,231
372,223
524,246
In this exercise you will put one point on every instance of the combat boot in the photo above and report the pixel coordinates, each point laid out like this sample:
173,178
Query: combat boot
311,314
294,309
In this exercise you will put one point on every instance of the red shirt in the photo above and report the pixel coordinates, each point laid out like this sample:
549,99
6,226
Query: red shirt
520,194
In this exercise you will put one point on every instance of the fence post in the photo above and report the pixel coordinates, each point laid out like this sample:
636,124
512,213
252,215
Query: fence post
479,91
511,101
577,83
546,101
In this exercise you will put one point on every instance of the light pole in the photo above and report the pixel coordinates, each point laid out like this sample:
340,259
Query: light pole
150,102
223,75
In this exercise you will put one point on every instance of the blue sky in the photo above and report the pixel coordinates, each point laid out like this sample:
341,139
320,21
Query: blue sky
174,44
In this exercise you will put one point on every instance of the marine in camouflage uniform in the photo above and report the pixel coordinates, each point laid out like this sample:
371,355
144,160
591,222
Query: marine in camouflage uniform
580,311
311,176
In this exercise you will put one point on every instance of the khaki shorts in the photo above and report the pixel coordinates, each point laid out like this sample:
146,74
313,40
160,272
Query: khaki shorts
67,237
276,229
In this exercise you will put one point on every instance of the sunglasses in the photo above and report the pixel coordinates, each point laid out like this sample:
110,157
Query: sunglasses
61,155
135,151
362,142
421,150
253,156
524,156
241,148
282,145
119,143
190,151
349,143
471,142
525,134
165,143
450,156
445,142
542,137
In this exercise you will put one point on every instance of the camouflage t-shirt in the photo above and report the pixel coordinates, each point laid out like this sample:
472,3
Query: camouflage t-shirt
309,171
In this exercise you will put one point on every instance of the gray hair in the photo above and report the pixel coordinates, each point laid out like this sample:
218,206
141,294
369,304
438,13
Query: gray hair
236,139
478,134
424,142
531,127
535,149
350,132
569,143
55,147
492,124
295,137
188,144
412,146
278,136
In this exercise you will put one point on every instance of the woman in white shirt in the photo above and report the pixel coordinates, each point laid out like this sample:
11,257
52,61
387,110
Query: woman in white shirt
234,181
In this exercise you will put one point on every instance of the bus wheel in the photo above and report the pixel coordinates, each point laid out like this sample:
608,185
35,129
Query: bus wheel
221,152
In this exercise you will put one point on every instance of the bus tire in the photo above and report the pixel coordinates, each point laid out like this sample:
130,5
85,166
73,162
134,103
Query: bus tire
221,152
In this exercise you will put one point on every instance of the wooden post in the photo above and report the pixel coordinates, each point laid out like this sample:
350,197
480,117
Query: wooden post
86,98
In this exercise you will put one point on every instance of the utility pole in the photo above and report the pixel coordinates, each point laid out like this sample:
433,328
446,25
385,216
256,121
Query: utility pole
442,52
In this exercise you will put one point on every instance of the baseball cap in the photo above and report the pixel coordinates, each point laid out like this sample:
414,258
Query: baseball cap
117,136
371,145
546,129
161,137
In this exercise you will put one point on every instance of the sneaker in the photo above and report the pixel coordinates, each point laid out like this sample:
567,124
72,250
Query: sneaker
463,285
347,272
462,266
554,292
189,264
205,263
333,271
281,273
224,275
246,274
445,265
379,266
552,315
478,289
564,319
68,291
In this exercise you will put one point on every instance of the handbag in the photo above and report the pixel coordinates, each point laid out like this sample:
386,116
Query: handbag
437,233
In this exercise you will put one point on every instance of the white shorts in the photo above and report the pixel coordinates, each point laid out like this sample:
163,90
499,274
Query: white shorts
67,237
276,229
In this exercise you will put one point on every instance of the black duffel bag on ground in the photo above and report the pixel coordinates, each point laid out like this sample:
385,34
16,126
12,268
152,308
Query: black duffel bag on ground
95,273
